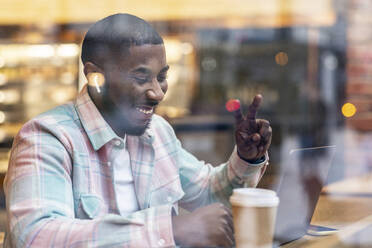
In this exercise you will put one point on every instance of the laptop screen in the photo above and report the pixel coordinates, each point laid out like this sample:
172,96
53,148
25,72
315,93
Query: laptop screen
303,174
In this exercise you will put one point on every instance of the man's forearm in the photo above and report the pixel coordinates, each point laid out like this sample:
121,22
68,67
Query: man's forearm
148,228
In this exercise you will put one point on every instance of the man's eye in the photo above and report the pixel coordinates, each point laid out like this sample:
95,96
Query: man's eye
141,79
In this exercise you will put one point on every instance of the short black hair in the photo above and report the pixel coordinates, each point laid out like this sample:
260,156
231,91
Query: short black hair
113,36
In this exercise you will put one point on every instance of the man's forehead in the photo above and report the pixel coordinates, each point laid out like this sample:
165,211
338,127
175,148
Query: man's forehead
145,56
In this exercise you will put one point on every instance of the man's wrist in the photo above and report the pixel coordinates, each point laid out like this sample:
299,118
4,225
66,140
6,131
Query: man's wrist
253,161
259,161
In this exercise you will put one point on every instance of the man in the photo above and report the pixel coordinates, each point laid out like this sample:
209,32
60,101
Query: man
105,171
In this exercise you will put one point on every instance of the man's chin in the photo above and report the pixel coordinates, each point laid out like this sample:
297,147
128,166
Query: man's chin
137,130
131,126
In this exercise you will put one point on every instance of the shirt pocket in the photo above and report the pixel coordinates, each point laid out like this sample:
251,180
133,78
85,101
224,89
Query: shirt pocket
169,193
90,206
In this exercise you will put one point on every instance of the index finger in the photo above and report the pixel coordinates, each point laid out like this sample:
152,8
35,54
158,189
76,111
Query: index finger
238,116
233,105
252,109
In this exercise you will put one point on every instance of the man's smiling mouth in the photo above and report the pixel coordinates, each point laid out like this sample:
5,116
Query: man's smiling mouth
146,111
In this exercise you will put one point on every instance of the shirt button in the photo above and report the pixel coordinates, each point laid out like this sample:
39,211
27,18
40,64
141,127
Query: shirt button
117,142
161,242
169,199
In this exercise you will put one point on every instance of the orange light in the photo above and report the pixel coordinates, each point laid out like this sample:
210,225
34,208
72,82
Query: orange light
348,109
281,58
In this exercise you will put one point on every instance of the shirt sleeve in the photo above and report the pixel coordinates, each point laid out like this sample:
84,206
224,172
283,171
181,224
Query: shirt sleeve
40,203
205,184
245,173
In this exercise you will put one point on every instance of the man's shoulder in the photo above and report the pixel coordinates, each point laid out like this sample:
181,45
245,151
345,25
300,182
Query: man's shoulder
61,116
61,113
159,122
162,130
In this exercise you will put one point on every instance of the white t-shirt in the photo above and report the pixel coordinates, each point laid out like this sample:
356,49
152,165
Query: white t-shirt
124,184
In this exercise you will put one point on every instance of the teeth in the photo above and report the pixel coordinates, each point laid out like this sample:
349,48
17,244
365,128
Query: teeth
145,111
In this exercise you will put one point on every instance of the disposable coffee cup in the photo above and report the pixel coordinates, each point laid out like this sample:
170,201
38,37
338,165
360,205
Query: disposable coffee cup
254,214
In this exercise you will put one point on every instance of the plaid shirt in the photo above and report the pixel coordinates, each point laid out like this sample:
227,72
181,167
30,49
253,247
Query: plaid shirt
60,182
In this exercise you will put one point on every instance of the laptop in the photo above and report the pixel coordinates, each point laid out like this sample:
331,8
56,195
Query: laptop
301,179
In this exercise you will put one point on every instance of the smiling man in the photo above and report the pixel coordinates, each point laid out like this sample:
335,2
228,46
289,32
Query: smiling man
105,171
135,86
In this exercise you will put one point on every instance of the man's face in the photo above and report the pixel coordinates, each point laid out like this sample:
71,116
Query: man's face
133,88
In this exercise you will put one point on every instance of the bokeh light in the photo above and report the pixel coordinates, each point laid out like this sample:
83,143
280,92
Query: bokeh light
2,117
281,58
187,48
348,109
209,64
2,62
3,79
68,50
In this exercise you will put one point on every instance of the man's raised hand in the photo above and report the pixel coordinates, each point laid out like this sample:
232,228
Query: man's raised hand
252,136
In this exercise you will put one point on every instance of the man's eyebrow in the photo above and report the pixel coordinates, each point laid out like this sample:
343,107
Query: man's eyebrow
146,70
142,70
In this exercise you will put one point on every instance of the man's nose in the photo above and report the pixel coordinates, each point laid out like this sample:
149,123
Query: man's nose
155,92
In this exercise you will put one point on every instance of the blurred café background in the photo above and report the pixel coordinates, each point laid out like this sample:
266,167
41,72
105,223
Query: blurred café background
311,61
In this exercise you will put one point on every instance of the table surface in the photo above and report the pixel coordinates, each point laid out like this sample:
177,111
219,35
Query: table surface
347,206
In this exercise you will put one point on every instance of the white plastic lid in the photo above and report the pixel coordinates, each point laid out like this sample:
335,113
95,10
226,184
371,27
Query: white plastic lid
254,197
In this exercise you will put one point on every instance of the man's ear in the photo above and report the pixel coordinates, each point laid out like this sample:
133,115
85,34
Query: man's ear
90,67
